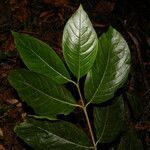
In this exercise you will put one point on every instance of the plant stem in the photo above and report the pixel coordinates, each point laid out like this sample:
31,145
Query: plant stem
87,117
90,128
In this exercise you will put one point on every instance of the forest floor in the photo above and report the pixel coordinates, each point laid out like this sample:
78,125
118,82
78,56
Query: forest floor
45,19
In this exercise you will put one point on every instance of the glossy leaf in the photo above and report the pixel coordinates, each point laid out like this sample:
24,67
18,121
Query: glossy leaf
40,58
108,120
130,141
110,69
46,97
79,43
44,135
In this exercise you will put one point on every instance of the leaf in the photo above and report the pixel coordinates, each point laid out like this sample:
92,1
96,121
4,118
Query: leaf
130,141
110,69
45,135
40,58
80,43
46,97
108,120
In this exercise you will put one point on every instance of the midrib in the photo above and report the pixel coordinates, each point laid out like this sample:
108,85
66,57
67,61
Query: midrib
44,61
79,47
102,77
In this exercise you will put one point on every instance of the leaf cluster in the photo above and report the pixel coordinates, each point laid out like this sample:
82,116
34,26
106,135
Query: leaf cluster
104,64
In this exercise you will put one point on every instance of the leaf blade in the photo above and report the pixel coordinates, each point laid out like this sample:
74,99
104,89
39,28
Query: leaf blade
79,43
110,69
52,135
109,121
45,96
40,58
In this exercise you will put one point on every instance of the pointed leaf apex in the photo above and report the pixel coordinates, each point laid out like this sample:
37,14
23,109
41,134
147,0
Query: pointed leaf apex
80,43
80,7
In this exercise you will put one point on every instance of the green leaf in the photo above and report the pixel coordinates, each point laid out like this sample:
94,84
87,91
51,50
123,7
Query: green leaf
110,69
80,43
46,97
45,135
130,141
108,120
40,58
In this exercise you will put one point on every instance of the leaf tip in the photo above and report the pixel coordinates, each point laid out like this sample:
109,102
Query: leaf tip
80,7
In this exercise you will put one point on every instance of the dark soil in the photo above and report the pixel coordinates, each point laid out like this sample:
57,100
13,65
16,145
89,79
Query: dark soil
45,19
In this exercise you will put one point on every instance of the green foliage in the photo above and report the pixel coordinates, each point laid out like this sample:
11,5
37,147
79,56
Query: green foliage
40,58
110,69
80,43
105,63
109,120
44,135
46,97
